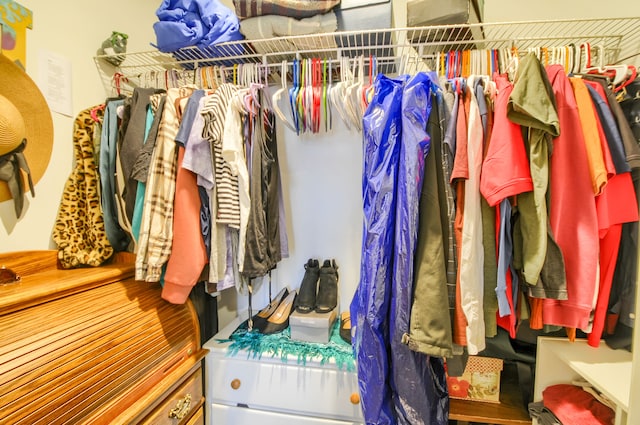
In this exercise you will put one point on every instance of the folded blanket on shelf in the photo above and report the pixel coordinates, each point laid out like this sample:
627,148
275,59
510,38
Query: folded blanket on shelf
292,8
268,26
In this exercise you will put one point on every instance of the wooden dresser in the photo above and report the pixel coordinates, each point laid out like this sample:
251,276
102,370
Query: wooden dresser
93,346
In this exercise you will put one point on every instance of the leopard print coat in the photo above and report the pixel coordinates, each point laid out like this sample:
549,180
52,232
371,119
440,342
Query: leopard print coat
79,229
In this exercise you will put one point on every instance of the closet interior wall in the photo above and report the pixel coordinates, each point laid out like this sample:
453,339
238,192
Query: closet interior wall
324,208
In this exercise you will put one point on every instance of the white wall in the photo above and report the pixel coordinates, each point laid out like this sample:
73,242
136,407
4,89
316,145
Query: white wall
321,173
73,30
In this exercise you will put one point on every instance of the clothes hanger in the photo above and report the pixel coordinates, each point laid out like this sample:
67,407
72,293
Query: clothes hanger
339,91
352,108
599,68
251,98
367,91
313,108
504,59
275,99
631,77
513,61
326,88
202,77
263,73
95,110
356,102
305,96
447,65
116,82
316,83
293,95
301,99
465,63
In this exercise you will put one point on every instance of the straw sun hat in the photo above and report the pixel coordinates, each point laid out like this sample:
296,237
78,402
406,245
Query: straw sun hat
24,114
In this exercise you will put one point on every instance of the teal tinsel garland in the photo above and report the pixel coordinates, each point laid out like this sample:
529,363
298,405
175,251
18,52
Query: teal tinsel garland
281,345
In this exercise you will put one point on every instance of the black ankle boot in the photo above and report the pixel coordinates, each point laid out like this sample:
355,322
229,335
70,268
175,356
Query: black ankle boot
327,298
306,300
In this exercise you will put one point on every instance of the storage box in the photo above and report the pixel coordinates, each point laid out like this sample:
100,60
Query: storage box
479,382
444,12
363,14
312,327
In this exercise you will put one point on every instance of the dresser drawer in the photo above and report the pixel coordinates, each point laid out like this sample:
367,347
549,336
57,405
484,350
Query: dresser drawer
312,389
197,418
186,400
238,415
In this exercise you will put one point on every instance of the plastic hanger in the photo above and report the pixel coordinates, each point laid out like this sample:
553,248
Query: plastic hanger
619,73
117,80
303,94
95,110
326,88
275,99
251,99
351,95
301,99
583,67
339,90
512,63
631,77
315,95
368,90
293,95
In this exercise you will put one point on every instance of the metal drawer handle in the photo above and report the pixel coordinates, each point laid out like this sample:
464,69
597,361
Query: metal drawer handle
182,408
235,384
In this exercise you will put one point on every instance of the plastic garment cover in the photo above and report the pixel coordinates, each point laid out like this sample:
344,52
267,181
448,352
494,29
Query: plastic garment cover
397,385
370,304
201,23
418,380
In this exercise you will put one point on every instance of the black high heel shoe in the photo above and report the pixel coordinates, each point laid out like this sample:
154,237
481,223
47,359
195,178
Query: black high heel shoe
327,298
264,314
279,320
306,301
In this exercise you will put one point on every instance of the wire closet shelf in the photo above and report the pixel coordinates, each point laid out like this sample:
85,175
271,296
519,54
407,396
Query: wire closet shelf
617,38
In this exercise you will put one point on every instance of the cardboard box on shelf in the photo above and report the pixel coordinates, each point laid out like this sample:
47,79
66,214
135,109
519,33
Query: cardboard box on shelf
479,382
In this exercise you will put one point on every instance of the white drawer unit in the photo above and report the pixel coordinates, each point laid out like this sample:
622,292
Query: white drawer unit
273,390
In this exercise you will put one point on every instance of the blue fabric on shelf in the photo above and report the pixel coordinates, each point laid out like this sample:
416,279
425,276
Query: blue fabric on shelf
281,345
201,23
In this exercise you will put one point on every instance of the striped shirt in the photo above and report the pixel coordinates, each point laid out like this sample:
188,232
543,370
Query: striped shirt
227,192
